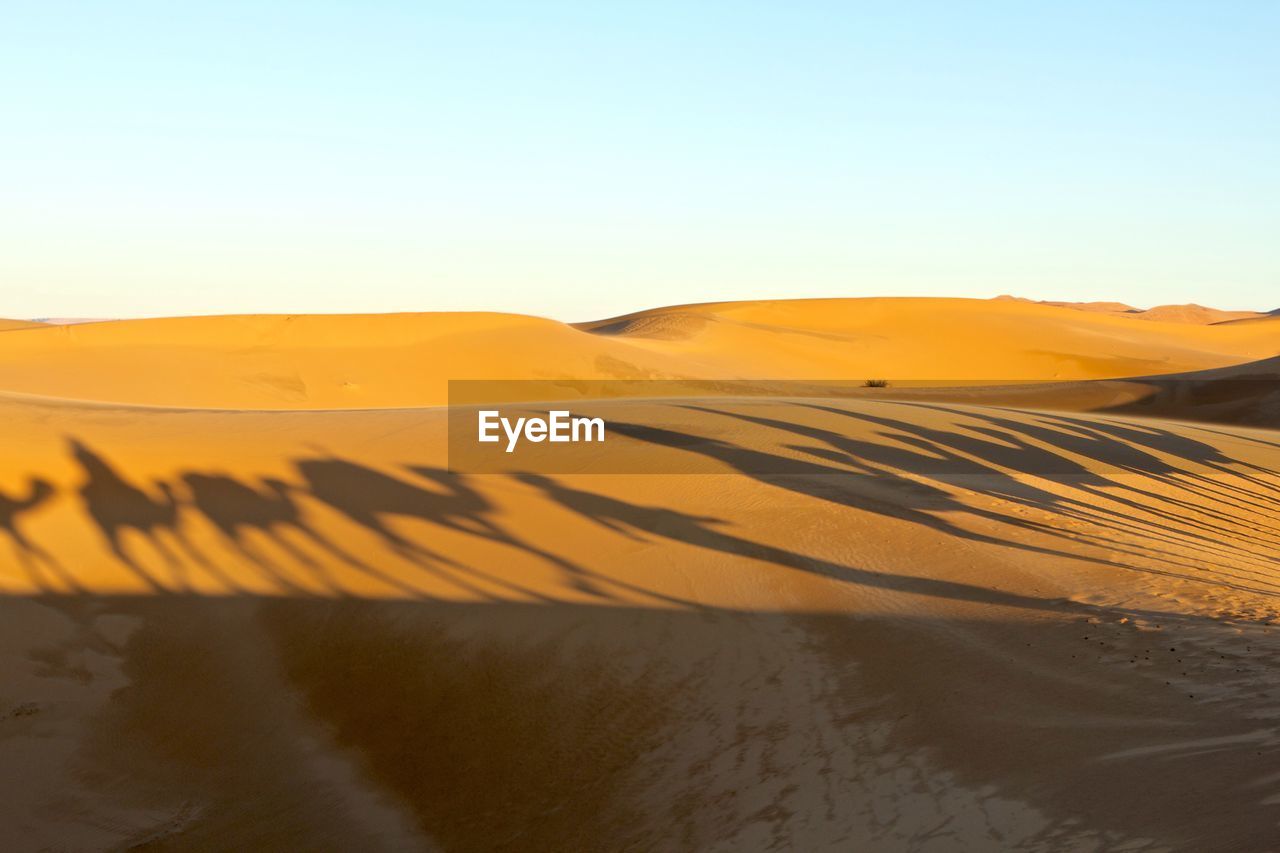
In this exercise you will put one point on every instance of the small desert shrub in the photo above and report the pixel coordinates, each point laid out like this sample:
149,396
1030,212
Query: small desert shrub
876,383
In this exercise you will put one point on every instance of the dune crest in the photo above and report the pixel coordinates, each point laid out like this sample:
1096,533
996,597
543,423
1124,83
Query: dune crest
1191,313
399,360
13,325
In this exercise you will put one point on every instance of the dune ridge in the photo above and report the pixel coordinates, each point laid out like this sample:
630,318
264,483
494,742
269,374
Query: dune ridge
374,361
1189,313
12,325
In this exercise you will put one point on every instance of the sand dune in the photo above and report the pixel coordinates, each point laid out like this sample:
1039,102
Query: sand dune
1195,314
375,361
245,603
940,339
10,325
1245,394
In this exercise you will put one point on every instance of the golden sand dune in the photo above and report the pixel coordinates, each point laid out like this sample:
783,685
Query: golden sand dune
309,361
10,325
233,617
1191,313
1246,394
944,339
375,361
1197,314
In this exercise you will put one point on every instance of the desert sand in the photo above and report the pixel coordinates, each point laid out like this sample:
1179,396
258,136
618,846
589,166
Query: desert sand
1191,313
405,360
1024,598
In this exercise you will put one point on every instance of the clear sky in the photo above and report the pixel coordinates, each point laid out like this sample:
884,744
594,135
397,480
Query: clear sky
582,159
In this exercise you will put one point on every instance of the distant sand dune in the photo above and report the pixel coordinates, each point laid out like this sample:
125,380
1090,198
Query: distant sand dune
1194,314
11,325
375,361
1246,394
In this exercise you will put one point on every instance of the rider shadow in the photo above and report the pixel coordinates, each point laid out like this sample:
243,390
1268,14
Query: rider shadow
367,496
370,498
461,507
236,509
117,506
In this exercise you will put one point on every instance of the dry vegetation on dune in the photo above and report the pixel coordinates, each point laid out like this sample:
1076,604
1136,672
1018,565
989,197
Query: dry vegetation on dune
272,617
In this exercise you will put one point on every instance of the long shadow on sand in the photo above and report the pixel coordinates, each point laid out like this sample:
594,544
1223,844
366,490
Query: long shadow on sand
251,512
920,461
271,523
1129,460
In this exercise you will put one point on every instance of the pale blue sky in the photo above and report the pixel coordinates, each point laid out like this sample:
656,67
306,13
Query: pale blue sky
584,159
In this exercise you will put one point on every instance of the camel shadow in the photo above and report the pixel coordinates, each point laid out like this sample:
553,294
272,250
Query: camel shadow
270,522
372,499
30,553
117,506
